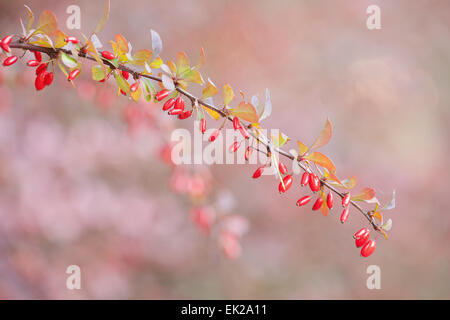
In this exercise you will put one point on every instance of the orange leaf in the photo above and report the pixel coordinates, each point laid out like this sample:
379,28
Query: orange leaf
302,148
47,23
321,160
245,111
379,216
324,136
365,194
122,43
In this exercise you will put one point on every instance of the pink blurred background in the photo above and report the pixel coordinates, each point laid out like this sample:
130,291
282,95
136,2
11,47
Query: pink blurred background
77,187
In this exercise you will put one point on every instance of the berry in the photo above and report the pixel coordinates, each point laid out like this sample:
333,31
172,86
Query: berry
41,68
361,237
368,248
39,82
305,179
287,180
236,123
330,200
258,172
282,168
37,55
185,115
134,87
214,135
108,55
162,94
314,182
344,215
125,74
318,203
74,40
179,104
248,153
244,132
203,125
48,78
10,60
175,112
73,74
234,146
168,104
5,43
346,200
303,200
33,63
123,92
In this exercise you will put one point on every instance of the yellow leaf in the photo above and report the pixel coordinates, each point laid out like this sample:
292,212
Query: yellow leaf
59,39
122,44
228,94
378,215
172,66
210,90
47,23
324,136
214,114
90,48
193,76
302,148
142,56
324,207
182,64
156,63
245,111
321,160
136,95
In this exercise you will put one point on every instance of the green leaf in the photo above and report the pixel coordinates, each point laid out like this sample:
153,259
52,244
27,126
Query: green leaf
182,64
68,61
122,83
97,73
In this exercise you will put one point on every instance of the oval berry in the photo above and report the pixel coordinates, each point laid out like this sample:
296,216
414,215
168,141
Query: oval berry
287,181
258,172
175,112
10,60
330,200
5,47
168,104
185,115
39,82
74,40
108,55
37,55
244,132
179,103
48,79
282,168
346,200
203,125
361,237
7,40
33,63
236,123
314,182
73,74
368,248
317,204
162,94
303,200
41,68
214,135
125,74
344,215
134,87
234,146
305,179
248,153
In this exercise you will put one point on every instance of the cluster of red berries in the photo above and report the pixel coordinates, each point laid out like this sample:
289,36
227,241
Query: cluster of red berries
4,44
173,106
362,240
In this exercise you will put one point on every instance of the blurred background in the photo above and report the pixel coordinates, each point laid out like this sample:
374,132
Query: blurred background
85,179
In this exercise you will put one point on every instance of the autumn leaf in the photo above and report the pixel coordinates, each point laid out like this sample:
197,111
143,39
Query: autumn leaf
228,94
321,160
324,136
379,216
60,39
30,19
365,194
182,64
302,148
245,111
122,44
210,90
121,82
101,24
142,56
46,24
214,114
193,76
97,73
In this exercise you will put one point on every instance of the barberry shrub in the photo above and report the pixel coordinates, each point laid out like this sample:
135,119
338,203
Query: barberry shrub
145,74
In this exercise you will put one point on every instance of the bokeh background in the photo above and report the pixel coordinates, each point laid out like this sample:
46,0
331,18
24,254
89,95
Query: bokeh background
84,178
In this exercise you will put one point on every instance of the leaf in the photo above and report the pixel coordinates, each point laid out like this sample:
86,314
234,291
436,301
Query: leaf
47,23
302,148
324,136
388,225
168,82
210,90
193,76
101,24
43,41
156,42
214,114
349,183
391,204
321,160
121,82
30,19
280,141
122,44
90,48
68,61
384,234
157,63
182,64
378,215
365,194
142,56
324,207
267,111
60,39
136,95
201,59
245,111
228,94
97,73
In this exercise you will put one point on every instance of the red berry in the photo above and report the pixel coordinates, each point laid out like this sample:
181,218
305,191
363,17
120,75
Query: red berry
73,74
37,55
5,47
236,123
361,237
330,200
258,172
234,146
344,215
346,200
41,68
282,168
303,200
48,78
7,39
179,103
175,112
33,63
214,135
287,180
10,60
39,82
368,248
314,182
185,115
244,132
318,204
108,55
248,153
203,125
168,104
125,74
162,94
71,39
134,87
305,179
